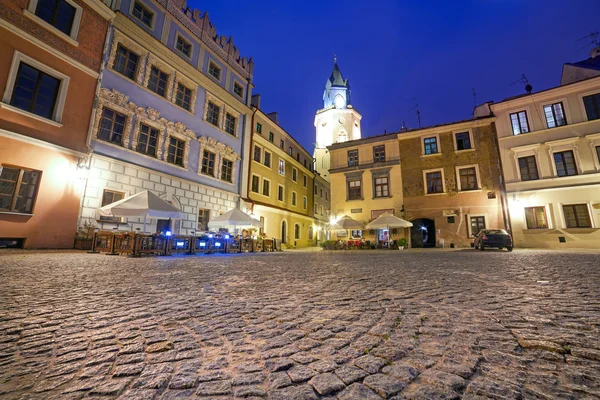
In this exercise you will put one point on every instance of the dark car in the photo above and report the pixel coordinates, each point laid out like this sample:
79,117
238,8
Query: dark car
497,238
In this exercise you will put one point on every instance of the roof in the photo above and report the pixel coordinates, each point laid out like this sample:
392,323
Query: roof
590,63
336,78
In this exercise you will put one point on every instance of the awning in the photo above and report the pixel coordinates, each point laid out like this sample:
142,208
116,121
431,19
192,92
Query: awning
235,217
388,221
143,204
346,223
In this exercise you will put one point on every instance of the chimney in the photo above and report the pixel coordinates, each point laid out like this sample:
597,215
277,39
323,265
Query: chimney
255,101
274,116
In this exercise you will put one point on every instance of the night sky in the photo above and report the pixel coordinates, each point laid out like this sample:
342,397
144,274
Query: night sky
396,51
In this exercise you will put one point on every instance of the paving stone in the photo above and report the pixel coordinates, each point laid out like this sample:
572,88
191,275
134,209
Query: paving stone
301,373
384,385
370,364
358,391
349,374
326,384
213,388
302,392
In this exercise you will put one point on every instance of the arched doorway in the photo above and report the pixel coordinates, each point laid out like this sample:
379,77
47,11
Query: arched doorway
283,232
422,233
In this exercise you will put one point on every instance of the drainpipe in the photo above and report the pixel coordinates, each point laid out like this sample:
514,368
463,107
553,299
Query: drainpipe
249,158
503,194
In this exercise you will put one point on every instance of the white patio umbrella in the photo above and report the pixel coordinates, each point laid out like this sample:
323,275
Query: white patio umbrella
236,218
144,204
346,223
388,221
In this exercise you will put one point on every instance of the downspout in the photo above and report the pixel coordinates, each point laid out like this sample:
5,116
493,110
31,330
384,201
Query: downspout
503,194
247,197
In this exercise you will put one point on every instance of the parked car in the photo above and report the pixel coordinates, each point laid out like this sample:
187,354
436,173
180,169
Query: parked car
498,238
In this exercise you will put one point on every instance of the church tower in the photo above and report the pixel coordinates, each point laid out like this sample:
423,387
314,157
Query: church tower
337,121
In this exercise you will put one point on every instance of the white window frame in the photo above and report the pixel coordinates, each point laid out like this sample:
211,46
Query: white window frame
580,96
181,53
145,5
437,140
59,105
282,192
454,133
477,175
549,216
264,152
566,110
214,64
294,196
558,146
294,172
259,184
261,154
71,38
529,121
427,171
233,89
594,141
590,214
281,162
262,186
485,220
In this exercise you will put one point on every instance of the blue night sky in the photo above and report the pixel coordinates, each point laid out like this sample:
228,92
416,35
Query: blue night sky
394,51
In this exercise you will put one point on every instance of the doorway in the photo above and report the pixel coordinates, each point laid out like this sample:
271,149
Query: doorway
163,225
283,232
422,233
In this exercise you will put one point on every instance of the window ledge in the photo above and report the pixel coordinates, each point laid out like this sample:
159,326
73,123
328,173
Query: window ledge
381,197
431,155
463,151
435,194
31,115
471,191
51,28
16,213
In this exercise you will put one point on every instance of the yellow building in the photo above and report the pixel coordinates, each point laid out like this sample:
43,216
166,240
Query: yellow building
366,182
280,182
321,207
550,149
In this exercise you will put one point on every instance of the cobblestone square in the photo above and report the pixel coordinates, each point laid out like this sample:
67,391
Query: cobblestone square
301,325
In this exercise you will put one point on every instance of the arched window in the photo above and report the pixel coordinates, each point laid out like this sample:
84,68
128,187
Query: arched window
339,101
296,231
310,232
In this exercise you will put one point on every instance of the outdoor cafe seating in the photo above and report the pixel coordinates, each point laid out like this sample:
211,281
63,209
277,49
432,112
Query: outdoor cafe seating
386,224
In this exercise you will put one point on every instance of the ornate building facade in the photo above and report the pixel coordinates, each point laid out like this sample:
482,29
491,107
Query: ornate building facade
49,72
171,116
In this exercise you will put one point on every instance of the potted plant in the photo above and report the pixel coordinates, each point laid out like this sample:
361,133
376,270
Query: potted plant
402,243
85,236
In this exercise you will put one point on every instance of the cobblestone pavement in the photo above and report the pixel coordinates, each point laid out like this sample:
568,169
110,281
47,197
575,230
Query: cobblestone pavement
345,325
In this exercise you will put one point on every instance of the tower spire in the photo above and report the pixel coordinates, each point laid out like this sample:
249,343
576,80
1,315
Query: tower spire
334,58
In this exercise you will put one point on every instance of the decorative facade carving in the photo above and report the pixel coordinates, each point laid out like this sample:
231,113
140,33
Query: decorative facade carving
188,83
154,61
119,102
119,38
149,117
224,110
222,151
179,130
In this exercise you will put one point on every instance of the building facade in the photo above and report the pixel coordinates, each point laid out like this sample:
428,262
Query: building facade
336,122
171,117
49,70
451,180
280,182
366,181
550,148
322,206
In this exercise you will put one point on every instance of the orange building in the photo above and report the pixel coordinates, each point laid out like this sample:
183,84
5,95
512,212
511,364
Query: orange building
49,72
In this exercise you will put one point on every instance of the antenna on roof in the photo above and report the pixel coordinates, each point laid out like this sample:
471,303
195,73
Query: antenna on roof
418,111
593,40
474,97
523,79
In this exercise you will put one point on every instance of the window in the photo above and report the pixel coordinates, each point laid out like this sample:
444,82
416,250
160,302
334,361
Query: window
290,151
175,151
379,153
536,218
555,115
203,218
18,189
267,160
281,145
321,192
381,186
565,163
184,98
208,163
280,193
238,89
109,197
434,182
451,219
304,202
316,209
35,91
143,14
58,13
298,157
258,128
158,81
316,189
577,216
126,62
294,198
519,122
147,140
261,230
431,146
214,71
598,152
296,231
183,46
257,154
230,124
212,115
468,179
592,106
354,190
294,174
226,170
528,168
463,141
271,137
322,213
352,158
356,233
305,183
281,167
310,232
477,224
112,125
326,196
266,188
304,163
255,184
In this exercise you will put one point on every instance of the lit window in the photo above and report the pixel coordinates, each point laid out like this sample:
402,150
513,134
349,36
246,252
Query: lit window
477,224
203,218
528,168
214,71
18,189
381,186
183,46
555,115
536,218
431,146
142,14
577,216
352,158
565,163
519,122
463,141
281,167
208,163
109,197
183,97
147,140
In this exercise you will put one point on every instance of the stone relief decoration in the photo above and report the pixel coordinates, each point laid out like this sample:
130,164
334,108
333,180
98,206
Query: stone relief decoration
224,109
120,103
199,23
222,151
154,61
150,117
188,83
123,40
179,130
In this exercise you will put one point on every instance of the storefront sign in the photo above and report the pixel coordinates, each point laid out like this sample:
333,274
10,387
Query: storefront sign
342,233
356,210
448,213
